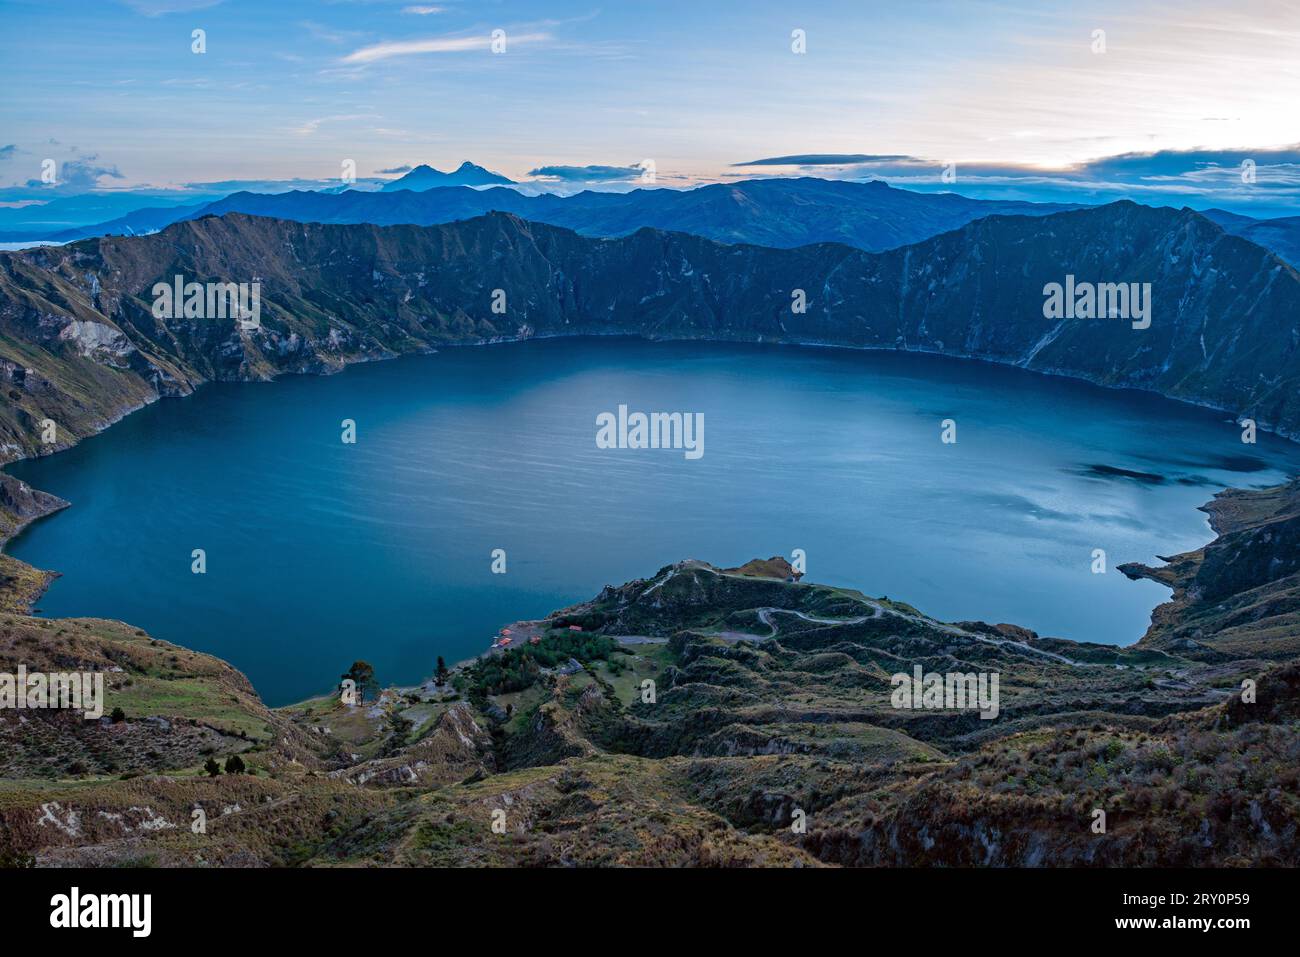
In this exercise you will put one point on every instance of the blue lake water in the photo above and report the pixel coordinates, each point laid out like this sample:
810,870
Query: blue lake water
320,552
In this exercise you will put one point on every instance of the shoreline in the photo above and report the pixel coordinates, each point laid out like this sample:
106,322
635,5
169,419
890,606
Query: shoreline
432,349
25,602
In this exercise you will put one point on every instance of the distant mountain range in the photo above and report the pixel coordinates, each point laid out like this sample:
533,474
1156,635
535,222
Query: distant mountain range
467,174
772,212
1281,235
79,343
783,213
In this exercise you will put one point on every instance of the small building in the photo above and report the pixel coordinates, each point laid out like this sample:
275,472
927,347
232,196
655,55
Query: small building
575,628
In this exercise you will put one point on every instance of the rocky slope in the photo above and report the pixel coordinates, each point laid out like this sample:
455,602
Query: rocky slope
20,505
717,717
1239,595
1281,235
80,346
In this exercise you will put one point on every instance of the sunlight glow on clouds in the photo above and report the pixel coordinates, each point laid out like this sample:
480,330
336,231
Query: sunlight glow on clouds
1172,77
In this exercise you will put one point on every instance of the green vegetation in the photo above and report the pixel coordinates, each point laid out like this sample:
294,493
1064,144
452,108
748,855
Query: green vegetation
362,674
516,669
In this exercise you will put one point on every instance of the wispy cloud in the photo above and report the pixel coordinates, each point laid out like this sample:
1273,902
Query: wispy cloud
157,8
328,34
823,159
311,126
445,44
423,11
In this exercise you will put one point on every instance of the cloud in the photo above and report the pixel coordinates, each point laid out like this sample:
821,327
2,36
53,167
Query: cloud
822,159
328,34
587,174
1195,177
1192,165
464,44
311,126
81,174
7,152
423,11
394,170
156,8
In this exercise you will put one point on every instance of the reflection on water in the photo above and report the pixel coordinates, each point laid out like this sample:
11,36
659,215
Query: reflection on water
320,552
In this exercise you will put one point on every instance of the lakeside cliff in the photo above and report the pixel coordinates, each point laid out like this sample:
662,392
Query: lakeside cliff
80,345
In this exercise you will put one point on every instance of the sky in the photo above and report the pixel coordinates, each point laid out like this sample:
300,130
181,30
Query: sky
1082,100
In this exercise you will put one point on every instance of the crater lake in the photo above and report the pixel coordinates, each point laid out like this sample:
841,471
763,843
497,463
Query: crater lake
319,552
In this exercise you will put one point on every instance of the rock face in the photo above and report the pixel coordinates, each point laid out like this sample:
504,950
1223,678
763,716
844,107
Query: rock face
1240,595
20,505
79,343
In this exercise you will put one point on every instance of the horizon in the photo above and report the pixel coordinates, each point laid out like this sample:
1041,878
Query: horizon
1162,105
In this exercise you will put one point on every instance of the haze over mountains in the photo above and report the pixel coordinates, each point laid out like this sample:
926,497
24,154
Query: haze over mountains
782,213
79,342
776,212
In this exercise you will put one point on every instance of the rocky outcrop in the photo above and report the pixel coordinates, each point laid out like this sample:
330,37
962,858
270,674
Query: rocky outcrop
20,505
1239,596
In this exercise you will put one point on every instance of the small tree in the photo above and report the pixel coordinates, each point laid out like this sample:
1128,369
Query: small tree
234,764
440,676
212,767
363,674
118,716
398,728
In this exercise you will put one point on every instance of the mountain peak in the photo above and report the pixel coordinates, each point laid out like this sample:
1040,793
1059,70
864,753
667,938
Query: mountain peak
425,177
